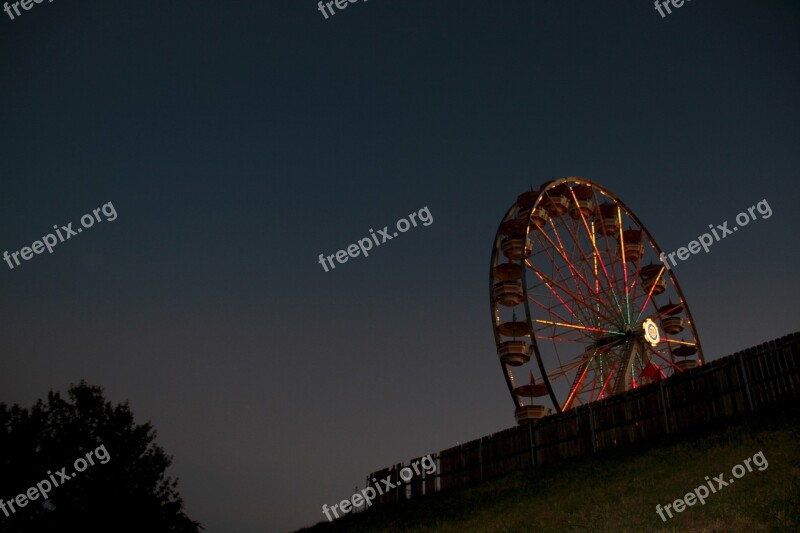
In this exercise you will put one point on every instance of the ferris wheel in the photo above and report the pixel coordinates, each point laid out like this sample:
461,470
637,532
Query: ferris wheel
582,305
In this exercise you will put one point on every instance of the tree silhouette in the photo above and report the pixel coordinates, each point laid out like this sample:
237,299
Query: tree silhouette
125,490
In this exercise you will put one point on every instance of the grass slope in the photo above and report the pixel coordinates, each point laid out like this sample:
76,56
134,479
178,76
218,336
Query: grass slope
617,491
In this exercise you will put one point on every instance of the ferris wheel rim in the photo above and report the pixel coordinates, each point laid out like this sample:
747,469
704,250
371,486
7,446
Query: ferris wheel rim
646,236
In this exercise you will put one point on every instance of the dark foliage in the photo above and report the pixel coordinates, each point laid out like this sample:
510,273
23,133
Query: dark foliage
125,490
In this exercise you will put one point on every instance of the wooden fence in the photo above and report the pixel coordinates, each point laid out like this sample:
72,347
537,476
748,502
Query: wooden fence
737,384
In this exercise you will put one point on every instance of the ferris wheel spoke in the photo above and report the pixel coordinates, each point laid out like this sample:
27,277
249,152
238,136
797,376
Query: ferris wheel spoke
609,378
562,250
595,387
676,341
549,285
669,362
602,294
624,261
565,369
635,283
566,290
608,293
549,310
576,385
614,282
558,339
580,377
553,262
608,247
586,328
592,238
584,265
602,263
558,248
649,294
563,332
562,370
567,334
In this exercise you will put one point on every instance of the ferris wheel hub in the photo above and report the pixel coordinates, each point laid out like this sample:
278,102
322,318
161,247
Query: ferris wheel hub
651,333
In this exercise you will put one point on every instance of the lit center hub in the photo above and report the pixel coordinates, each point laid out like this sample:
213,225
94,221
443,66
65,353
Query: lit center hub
651,332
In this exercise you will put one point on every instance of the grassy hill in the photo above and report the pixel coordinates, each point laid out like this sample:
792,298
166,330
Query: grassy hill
617,491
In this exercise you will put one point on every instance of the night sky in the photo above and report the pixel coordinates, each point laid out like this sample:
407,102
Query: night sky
237,141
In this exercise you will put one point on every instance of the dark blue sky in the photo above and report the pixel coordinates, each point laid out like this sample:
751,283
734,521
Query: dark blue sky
239,140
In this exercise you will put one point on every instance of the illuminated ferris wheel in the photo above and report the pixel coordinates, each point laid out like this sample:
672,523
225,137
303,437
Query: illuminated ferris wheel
581,305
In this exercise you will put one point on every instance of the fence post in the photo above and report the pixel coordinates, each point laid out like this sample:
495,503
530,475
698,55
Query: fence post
532,443
663,405
437,479
743,377
480,456
463,464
